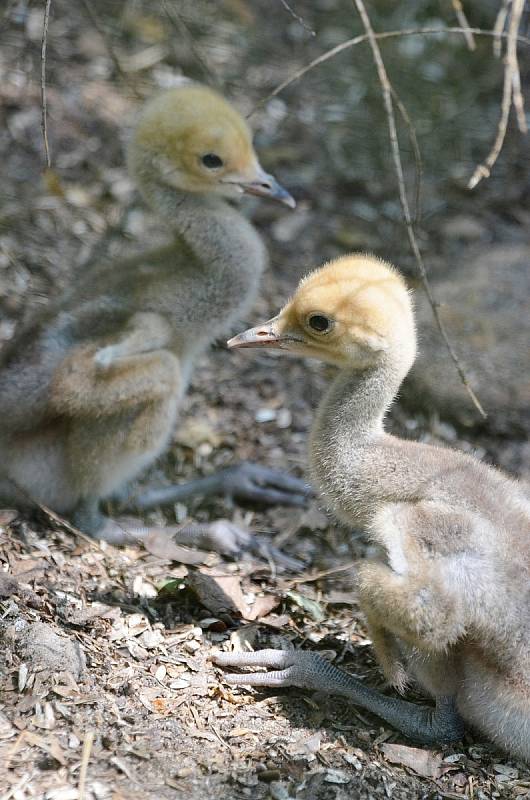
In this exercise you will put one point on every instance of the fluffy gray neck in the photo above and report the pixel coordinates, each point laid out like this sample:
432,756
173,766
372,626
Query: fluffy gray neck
348,426
216,232
357,402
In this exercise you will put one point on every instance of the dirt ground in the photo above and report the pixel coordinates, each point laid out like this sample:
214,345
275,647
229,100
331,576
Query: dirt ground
106,686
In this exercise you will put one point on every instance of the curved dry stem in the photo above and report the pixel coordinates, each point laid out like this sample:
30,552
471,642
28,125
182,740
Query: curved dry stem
363,37
387,92
511,94
44,102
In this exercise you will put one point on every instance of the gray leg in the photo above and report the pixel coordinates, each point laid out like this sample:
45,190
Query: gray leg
242,482
221,536
442,724
225,537
88,518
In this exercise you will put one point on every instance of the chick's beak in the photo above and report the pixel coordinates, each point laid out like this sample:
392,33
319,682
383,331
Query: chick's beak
265,185
266,335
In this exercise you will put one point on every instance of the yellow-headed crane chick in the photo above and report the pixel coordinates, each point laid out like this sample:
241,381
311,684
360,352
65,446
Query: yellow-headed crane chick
89,392
446,587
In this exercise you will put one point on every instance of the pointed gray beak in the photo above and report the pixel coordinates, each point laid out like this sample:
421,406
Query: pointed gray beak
265,335
265,185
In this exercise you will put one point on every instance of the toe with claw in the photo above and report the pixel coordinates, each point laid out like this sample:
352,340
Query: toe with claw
285,668
253,482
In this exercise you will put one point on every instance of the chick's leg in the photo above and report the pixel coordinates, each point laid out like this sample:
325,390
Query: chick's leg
243,482
310,671
87,517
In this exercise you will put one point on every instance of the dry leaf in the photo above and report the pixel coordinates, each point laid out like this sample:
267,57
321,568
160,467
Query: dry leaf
423,762
261,606
220,594
223,594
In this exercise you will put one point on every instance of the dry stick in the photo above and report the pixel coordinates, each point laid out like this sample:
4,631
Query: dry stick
44,104
462,20
297,17
61,521
518,102
517,96
398,167
316,576
498,28
511,92
417,155
363,37
110,48
181,27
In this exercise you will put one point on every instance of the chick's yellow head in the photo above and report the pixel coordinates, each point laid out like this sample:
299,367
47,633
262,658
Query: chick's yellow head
192,139
350,312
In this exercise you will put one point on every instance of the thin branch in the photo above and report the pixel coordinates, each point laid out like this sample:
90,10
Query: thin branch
51,515
462,21
297,17
387,90
416,152
357,40
177,21
511,93
110,48
499,26
44,102
518,102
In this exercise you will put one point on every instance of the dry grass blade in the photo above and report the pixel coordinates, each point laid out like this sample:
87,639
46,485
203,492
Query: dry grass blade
511,93
85,758
387,91
44,102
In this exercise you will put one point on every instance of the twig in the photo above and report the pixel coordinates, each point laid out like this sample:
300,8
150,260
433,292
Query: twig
61,521
6,13
316,576
357,40
498,28
44,103
110,48
518,101
386,89
462,20
511,92
297,17
17,788
417,154
85,758
181,26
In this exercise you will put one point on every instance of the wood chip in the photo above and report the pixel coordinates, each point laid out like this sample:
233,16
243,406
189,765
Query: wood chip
422,762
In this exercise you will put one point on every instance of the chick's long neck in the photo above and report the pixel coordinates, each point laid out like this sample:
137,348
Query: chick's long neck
348,432
220,237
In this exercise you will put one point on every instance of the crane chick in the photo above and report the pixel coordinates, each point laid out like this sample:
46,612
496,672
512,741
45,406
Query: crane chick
89,392
446,589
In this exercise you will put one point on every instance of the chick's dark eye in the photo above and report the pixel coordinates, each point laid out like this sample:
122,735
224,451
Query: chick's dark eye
320,323
212,161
